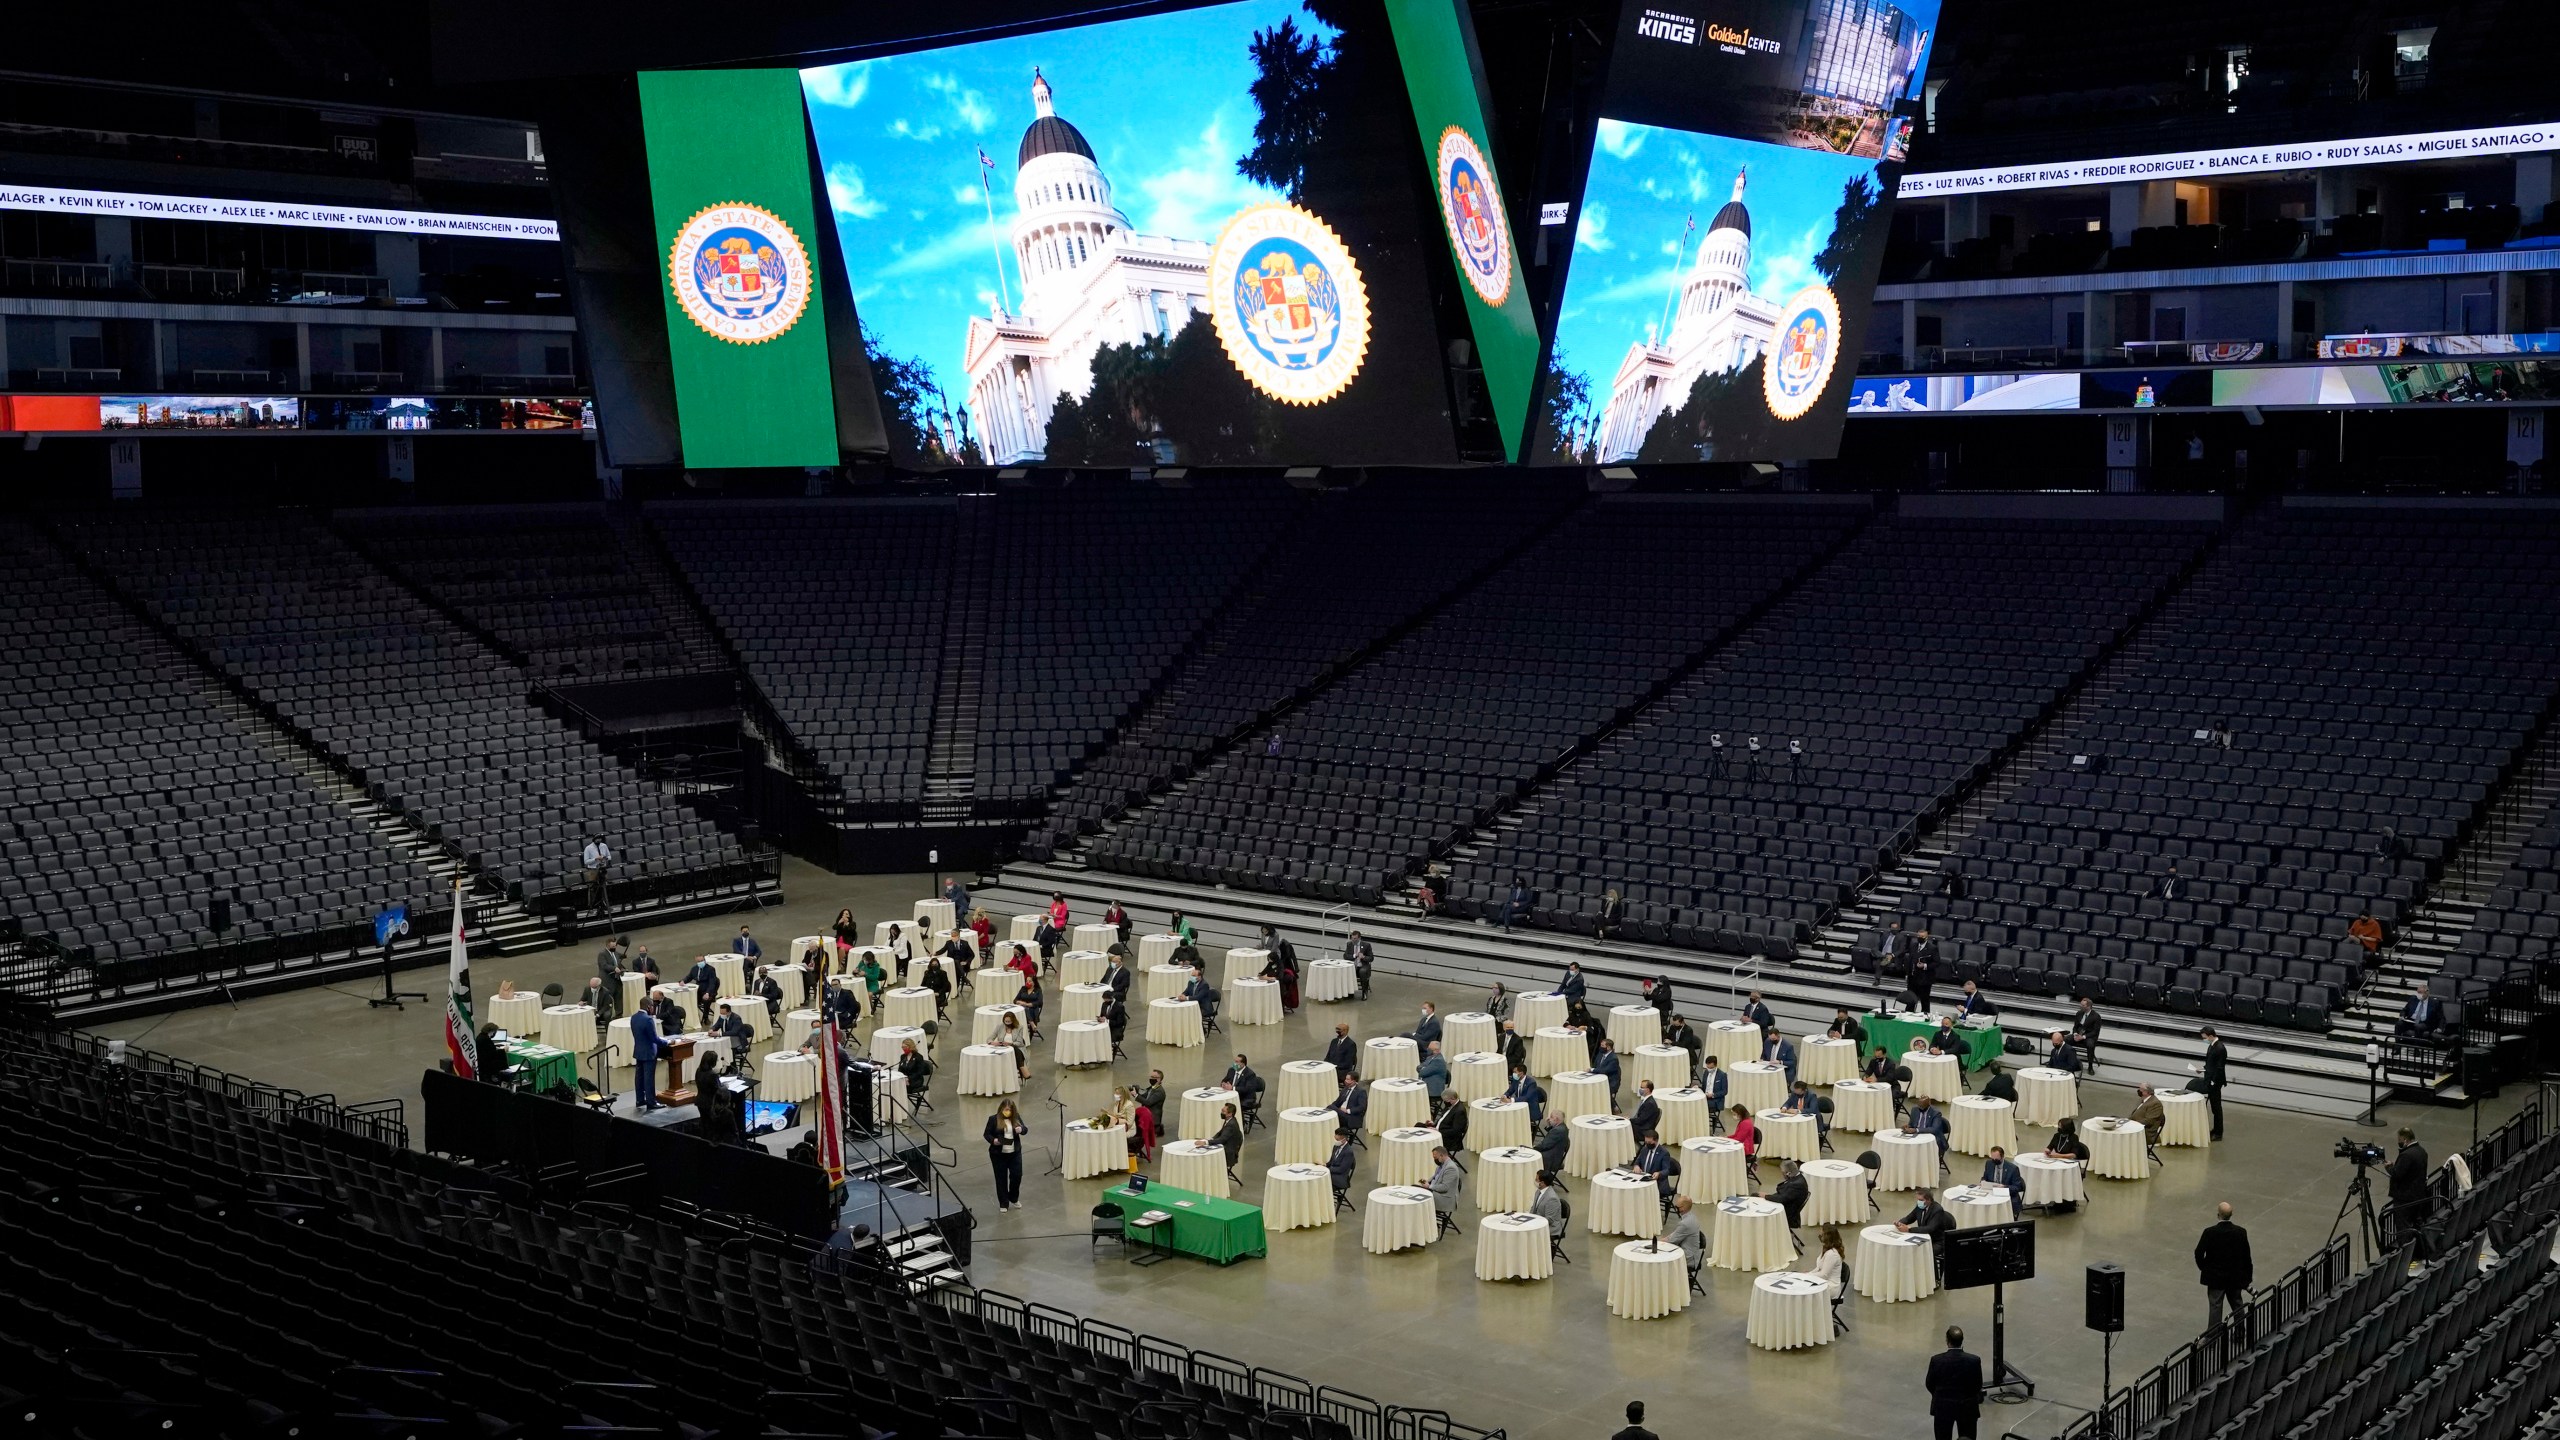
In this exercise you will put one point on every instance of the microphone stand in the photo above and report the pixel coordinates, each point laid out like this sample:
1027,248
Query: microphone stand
1058,1157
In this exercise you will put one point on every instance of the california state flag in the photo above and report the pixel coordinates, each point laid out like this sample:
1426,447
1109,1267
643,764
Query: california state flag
460,1040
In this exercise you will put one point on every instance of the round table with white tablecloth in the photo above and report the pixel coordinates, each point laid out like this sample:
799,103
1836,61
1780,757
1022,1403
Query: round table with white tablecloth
794,980
888,1041
797,1027
1789,1136
1389,1057
968,939
1096,938
1305,1135
1196,1118
918,965
1684,1114
1938,1077
1667,1066
1308,1082
1757,1085
1476,1075
1733,1041
1821,1061
1157,949
520,1014
1633,1026
1244,962
1790,1310
1647,1280
1620,1202
995,980
634,990
1253,1002
1025,929
1837,1192
1865,1106
787,1077
1711,1168
617,1040
1557,1049
1513,1245
988,1023
988,1070
686,997
1332,980
1297,1197
732,970
1533,1013
1092,1152
1160,982
1910,1161
1083,1042
1506,1179
1396,1217
2050,1181
932,915
573,1028
1175,1023
1196,1166
1494,1121
906,1005
1894,1265
1576,1093
1599,1141
1082,1002
1082,967
2046,1095
877,955
1404,1155
2116,1148
1751,1234
1394,1103
1468,1032
1977,1205
752,1009
906,930
2188,1121
1978,1122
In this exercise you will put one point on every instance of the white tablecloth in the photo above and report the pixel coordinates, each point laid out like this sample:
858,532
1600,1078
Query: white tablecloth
1477,1075
2115,1148
750,1008
1757,1085
1599,1141
1910,1161
1296,1197
635,988
732,970
1977,1205
2188,1122
1162,982
989,1022
996,982
1197,1117
1826,1062
2046,1095
1397,1103
1865,1106
906,1005
1839,1192
1789,1311
907,931
794,981
1082,1002
1244,962
1307,1082
1467,1032
1025,929
1083,1042
1175,1023
2051,1182
684,995
1331,980
921,964
1634,1026
1576,1093
1092,1152
1940,1077
1667,1066
1389,1057
968,941
988,1070
887,1042
1494,1122
1513,1246
1533,1013
1684,1114
1305,1136
796,1027
1891,1265
1789,1137
1157,949
573,1028
787,1077
1396,1217
1751,1234
1619,1203
1733,1041
1404,1155
617,1039
1096,938
1711,1169
1556,1049
1980,1122
1647,1281
1506,1179
1253,1002
1082,967
931,915
1197,1166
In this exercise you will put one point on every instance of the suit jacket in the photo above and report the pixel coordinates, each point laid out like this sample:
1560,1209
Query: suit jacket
1426,1032
1976,1003
1607,1065
1759,1015
1352,1105
1433,1072
2409,1176
644,1037
2216,1061
1447,1183
1783,1052
1853,1032
2005,1173
1686,1037
1342,1053
1932,1219
1572,986
2222,1257
1931,1122
1955,1385
1791,1196
1515,1050
1553,1143
1453,1128
1230,1137
2065,1058
2087,1026
733,1027
1712,1084
1656,1161
609,966
2422,1012
1528,1092
1648,1117
1119,978
1241,1078
1341,1162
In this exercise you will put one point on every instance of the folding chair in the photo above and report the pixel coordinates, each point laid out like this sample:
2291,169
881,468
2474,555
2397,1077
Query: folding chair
1446,1226
1341,1200
1822,1122
1252,1111
1555,1233
1873,1164
1840,1322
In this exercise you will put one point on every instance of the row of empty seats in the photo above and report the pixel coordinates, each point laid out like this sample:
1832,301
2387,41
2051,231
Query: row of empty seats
2517,928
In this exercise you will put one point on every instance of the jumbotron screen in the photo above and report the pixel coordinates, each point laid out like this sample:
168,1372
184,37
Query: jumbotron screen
1201,237
1731,230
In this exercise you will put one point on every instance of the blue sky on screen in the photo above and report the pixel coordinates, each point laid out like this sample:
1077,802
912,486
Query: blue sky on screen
1162,99
1926,12
1645,180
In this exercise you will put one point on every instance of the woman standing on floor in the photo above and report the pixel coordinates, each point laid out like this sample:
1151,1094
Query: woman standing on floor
1004,1152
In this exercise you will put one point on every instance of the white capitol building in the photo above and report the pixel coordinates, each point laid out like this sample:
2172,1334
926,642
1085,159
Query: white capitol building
1088,281
1721,325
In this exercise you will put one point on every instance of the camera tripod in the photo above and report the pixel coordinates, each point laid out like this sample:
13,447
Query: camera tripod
2359,1199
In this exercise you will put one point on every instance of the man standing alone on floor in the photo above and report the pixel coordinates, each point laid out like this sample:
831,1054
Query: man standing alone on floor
2222,1265
1955,1388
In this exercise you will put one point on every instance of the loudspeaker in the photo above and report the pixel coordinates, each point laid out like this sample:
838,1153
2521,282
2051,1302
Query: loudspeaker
218,914
2106,1298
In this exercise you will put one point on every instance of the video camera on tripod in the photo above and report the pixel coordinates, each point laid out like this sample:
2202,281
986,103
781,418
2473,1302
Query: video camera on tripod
2363,1153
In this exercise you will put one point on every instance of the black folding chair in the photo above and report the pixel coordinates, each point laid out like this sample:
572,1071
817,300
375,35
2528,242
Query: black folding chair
1840,1322
1252,1113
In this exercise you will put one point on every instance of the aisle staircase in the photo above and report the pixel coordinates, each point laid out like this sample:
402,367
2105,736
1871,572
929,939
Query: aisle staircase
951,758
668,590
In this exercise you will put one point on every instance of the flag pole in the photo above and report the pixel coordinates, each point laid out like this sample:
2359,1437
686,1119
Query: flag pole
987,191
461,1038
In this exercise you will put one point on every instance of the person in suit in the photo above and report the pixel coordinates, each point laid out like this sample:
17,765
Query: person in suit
1606,1063
1891,948
1802,1101
1426,1031
1515,1046
644,1059
1525,1089
745,945
938,980
1653,1159
2150,1114
1432,1070
1118,977
1515,905
1635,1424
1924,1119
1350,1103
1944,1040
1451,1122
705,981
1792,1192
2214,1075
1342,1161
1572,987
1580,1020
1553,1143
1199,992
2085,1025
1712,1082
1230,1136
1548,1203
1362,955
2413,1198
2170,886
843,1005
1648,1111
1845,1026
1756,1010
1926,1216
958,895
1955,1389
1975,1003
1684,1232
1657,993
2003,1171
1879,1066
2001,1086
1685,1035
1448,1182
1005,1133
1240,1078
2222,1267
1924,966
1780,1051
733,1030
1114,1012
2064,1055
770,988
1342,1052
609,970
2421,1017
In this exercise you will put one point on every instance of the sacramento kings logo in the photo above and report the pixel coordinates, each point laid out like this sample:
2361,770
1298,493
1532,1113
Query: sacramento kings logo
1804,354
1471,207
1288,303
739,272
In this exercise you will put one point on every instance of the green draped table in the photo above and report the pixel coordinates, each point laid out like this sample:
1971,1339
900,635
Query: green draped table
544,1065
1981,1047
1222,1230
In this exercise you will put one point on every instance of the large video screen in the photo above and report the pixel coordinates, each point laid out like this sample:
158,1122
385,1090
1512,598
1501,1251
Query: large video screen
1201,237
1731,230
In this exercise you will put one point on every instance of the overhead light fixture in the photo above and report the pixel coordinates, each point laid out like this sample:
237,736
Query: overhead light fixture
1617,472
1304,472
1763,467
1011,474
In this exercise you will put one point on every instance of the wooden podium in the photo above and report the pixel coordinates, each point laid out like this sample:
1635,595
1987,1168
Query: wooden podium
678,1090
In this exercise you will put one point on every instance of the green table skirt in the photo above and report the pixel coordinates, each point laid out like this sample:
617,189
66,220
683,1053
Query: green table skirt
545,1065
1222,1230
1981,1046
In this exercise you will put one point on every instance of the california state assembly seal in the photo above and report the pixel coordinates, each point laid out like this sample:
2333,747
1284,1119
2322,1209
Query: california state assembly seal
738,272
1471,206
1803,355
1286,299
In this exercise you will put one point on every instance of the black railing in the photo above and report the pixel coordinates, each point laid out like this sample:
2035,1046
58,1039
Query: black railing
382,1122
